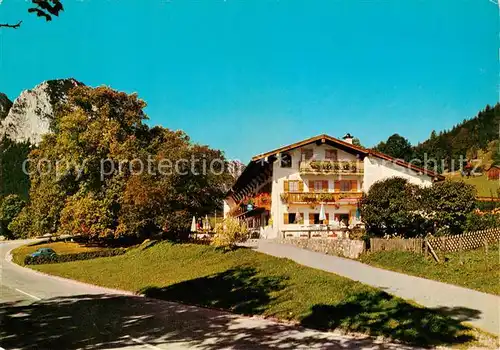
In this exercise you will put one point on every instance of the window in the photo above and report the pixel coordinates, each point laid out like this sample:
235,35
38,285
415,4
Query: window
307,154
346,185
293,218
286,160
318,186
293,186
314,219
331,154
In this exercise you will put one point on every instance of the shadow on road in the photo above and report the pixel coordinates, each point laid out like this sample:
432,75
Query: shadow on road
105,322
111,321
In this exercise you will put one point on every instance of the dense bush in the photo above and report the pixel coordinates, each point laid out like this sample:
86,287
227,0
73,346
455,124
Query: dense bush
10,207
447,204
391,207
396,207
482,221
29,260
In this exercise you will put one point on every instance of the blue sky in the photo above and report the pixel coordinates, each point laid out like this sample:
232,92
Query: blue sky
247,77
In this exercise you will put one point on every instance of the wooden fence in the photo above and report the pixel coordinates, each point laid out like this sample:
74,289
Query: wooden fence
465,241
409,244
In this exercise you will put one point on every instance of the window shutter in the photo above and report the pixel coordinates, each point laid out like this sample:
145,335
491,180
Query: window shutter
285,218
327,219
337,186
325,185
301,221
301,186
285,186
311,186
311,218
354,185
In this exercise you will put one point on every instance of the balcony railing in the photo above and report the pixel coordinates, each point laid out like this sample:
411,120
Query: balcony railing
315,167
315,197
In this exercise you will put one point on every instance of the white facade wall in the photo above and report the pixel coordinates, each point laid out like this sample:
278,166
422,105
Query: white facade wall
377,169
278,208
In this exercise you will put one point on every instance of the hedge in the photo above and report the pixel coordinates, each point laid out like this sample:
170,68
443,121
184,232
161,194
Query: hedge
29,260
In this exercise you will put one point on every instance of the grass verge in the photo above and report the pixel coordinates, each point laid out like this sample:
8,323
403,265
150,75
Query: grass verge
247,282
484,186
475,269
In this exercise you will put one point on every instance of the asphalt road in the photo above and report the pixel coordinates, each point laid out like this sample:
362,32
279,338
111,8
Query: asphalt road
45,312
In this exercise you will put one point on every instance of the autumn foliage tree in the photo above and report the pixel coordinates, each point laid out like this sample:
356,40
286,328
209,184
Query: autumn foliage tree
112,176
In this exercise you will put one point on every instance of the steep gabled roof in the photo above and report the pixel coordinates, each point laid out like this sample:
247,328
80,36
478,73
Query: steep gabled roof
320,138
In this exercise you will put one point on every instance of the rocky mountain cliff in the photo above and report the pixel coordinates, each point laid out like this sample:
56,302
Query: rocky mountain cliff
30,115
5,105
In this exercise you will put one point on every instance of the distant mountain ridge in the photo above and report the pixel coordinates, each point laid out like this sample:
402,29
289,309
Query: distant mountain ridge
31,113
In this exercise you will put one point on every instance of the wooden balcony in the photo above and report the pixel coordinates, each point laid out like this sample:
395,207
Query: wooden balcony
319,197
327,167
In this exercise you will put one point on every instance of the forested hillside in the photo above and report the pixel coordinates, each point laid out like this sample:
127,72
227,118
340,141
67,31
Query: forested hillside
470,139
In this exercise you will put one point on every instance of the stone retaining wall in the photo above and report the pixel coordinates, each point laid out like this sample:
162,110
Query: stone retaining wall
344,247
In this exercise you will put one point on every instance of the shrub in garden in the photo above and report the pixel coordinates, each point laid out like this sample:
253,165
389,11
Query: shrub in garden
481,221
447,205
391,207
229,232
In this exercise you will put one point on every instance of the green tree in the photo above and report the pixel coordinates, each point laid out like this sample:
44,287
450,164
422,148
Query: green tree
10,207
396,146
13,180
391,207
447,205
356,142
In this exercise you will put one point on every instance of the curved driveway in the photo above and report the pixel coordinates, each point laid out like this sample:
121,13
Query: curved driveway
38,311
480,309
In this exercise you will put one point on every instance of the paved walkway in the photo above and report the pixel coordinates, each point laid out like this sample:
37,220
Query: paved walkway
484,307
56,313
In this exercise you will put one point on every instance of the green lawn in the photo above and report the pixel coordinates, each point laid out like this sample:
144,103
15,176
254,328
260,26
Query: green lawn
473,269
485,187
247,282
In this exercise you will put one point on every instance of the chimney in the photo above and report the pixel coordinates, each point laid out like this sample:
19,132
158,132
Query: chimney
347,138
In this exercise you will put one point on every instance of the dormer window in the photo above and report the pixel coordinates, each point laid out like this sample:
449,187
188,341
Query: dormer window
286,160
